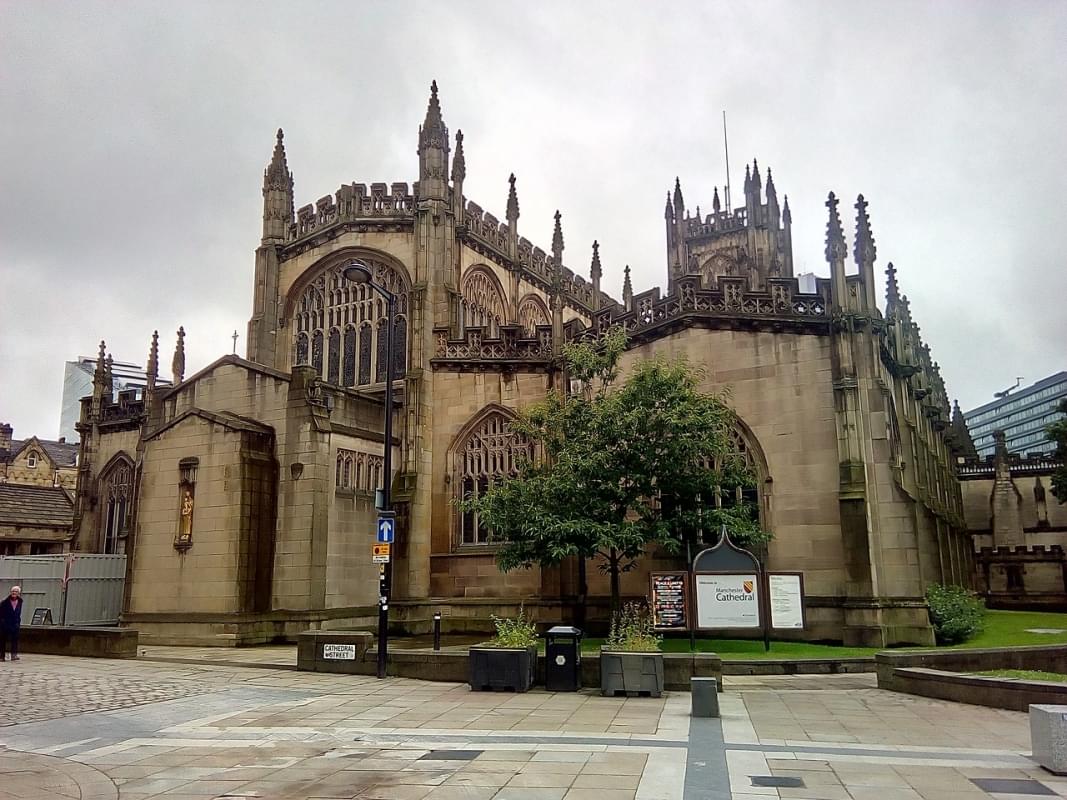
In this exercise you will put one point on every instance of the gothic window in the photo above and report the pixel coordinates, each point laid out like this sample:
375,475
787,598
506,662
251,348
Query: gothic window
718,266
532,312
350,356
334,369
331,304
379,361
400,346
360,472
489,452
744,493
116,495
302,348
316,351
31,460
364,354
483,301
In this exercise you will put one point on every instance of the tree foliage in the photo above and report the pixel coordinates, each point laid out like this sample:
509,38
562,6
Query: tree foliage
1057,431
619,466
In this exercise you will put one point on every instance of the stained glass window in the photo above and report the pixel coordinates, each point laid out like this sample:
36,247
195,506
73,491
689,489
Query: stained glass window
364,354
335,357
349,377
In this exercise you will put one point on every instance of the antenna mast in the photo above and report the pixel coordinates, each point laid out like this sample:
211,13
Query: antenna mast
726,147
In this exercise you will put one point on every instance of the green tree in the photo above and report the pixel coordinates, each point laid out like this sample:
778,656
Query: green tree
1057,431
619,467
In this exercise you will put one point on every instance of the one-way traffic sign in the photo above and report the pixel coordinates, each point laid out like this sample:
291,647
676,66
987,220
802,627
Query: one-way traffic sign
386,527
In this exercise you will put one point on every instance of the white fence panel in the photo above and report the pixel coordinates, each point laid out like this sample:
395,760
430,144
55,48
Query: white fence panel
90,595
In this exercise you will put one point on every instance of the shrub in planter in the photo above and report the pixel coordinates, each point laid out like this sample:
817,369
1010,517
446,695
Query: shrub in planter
955,613
508,660
630,658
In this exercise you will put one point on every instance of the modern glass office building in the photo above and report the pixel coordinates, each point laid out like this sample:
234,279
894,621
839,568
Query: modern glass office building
1022,414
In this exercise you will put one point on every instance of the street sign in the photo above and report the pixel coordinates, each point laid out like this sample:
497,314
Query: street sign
381,554
386,528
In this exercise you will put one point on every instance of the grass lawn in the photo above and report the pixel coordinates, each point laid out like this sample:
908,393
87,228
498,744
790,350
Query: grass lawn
1025,675
1002,629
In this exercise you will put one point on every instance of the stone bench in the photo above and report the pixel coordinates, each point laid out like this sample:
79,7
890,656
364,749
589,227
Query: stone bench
71,640
1048,737
334,651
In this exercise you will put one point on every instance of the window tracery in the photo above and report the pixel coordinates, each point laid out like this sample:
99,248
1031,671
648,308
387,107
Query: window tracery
483,302
361,472
532,312
331,304
489,452
117,486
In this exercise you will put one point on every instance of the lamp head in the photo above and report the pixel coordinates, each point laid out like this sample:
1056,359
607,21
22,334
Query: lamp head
357,272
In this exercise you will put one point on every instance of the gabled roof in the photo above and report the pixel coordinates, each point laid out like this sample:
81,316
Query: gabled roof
236,361
35,506
62,454
225,418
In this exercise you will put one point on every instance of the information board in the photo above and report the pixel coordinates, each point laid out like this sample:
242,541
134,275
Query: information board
786,600
339,652
42,616
727,600
670,601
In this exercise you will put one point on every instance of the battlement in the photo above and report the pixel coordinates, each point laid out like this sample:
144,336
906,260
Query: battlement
714,225
1035,551
511,347
985,468
732,303
351,202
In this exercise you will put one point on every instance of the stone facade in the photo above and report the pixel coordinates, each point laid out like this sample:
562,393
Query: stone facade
842,412
37,481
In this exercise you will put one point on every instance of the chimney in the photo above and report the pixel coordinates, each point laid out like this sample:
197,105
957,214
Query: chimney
5,436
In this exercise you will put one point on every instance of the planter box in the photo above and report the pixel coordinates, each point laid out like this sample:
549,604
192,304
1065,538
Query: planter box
502,668
631,672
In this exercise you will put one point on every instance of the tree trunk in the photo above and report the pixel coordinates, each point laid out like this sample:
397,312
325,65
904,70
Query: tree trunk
613,569
583,595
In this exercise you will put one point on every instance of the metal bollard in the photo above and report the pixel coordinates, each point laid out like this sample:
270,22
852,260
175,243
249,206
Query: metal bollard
705,697
437,630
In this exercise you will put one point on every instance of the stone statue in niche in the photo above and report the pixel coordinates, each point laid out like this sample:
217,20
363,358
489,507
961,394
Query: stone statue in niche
185,517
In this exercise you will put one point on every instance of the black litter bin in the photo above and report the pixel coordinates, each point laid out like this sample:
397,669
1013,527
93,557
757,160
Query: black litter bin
563,659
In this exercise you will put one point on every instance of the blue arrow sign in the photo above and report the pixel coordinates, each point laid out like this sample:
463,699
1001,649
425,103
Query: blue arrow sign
386,529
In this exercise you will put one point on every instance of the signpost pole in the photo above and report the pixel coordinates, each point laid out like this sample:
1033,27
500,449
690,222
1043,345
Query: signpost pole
765,601
692,593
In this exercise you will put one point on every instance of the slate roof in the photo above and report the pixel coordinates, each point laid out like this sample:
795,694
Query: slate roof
64,454
35,506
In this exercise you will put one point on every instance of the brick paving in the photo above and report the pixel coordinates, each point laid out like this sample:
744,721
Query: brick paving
133,730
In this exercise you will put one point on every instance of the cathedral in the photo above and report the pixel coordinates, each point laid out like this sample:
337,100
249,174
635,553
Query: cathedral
244,495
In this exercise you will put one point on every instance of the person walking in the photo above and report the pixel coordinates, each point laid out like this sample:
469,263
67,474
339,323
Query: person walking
11,622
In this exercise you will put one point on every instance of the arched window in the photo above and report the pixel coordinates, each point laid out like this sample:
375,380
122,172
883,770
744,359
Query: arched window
116,494
483,301
487,452
31,459
753,493
718,266
532,312
336,321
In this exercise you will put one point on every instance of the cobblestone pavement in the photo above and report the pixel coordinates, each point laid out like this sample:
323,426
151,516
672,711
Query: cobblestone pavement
132,730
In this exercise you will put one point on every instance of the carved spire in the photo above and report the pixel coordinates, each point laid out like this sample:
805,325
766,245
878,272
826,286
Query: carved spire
277,193
787,215
772,193
152,368
513,200
594,268
757,183
627,289
679,202
748,180
892,290
864,252
109,378
836,249
716,206
557,241
433,110
177,365
101,359
433,152
459,163
668,212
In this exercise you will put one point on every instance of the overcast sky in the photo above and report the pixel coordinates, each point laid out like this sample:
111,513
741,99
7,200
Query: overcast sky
133,138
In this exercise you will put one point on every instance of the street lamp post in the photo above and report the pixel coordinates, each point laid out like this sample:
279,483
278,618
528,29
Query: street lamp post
359,272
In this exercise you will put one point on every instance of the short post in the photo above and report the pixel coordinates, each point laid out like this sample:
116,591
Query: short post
705,697
437,630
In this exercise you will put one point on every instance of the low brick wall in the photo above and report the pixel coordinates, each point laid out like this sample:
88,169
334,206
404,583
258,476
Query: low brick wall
802,666
79,641
450,665
945,674
979,690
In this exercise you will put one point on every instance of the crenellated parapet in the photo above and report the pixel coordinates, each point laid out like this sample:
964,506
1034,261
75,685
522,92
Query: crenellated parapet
511,349
353,202
1032,464
729,303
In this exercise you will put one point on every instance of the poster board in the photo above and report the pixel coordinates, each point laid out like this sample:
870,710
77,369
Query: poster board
727,600
670,600
42,616
785,598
